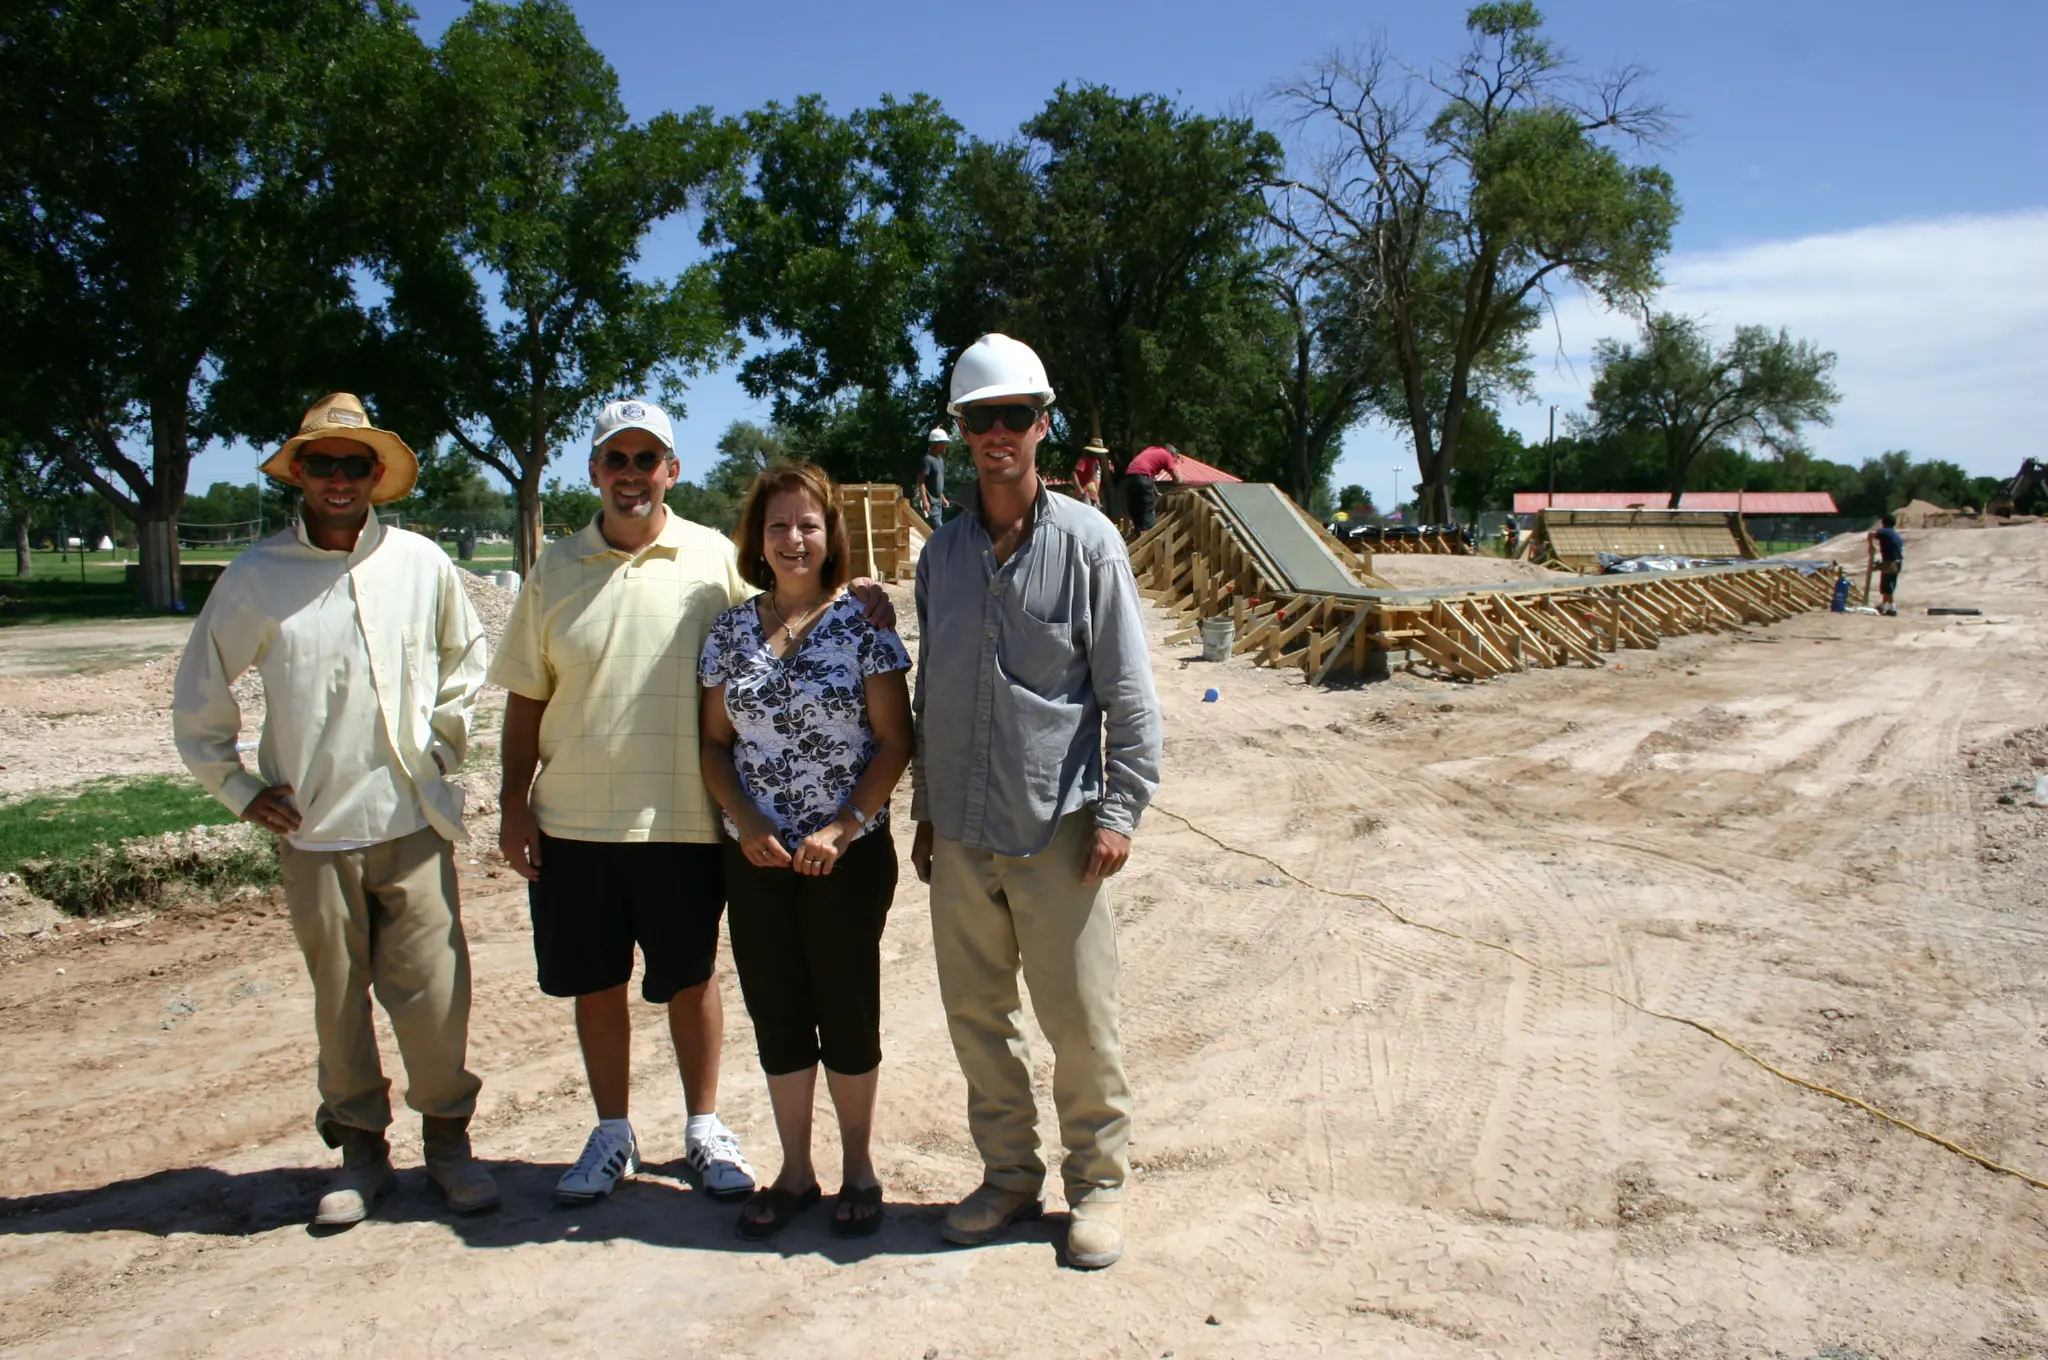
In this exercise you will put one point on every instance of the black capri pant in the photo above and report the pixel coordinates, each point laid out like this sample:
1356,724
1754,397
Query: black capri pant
809,954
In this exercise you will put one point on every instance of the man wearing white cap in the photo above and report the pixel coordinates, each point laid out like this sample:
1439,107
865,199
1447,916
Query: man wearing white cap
1038,747
931,475
371,657
617,837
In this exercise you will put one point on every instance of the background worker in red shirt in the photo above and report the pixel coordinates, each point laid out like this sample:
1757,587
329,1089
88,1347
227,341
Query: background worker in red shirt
1141,495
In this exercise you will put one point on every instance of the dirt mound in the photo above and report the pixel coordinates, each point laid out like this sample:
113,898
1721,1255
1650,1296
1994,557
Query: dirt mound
1918,514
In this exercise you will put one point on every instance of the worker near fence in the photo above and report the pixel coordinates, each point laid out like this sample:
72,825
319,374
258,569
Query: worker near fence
1141,487
1038,748
931,476
371,657
1890,547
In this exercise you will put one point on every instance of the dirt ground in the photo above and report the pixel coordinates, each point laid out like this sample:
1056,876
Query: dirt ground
1353,1137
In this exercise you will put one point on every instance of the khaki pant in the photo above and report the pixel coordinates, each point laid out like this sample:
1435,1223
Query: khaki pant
387,918
989,912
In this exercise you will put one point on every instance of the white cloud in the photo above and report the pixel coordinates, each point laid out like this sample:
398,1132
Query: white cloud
1940,331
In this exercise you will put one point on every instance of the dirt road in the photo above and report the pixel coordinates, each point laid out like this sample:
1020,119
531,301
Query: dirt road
1354,1137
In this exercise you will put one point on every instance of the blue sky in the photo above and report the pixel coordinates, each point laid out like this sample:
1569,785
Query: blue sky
1872,175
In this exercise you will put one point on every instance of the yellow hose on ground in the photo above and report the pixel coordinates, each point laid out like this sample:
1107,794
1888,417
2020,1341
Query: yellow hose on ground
1690,1023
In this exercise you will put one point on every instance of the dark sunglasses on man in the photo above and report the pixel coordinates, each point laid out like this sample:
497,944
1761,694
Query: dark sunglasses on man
1016,419
354,466
616,460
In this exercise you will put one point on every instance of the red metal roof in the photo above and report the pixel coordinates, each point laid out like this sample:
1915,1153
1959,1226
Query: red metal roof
1748,502
1195,472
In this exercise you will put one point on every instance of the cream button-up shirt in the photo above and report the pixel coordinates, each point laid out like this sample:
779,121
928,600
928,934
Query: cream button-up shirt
371,663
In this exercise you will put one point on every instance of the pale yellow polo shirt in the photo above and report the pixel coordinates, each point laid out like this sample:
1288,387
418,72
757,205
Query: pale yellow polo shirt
609,640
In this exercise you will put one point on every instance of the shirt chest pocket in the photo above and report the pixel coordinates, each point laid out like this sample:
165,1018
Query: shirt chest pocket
1038,655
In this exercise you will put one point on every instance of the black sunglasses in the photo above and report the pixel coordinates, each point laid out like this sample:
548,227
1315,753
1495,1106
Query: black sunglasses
647,460
1016,419
354,466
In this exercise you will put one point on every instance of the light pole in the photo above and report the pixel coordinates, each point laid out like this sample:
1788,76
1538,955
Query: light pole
1551,445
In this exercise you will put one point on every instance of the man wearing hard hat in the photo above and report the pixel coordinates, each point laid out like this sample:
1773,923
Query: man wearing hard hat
371,657
931,475
1038,748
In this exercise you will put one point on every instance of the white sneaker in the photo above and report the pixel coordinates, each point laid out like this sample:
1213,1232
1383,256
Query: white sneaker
607,1159
720,1168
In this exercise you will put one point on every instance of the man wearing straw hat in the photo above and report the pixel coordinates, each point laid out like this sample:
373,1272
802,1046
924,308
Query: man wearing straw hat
371,657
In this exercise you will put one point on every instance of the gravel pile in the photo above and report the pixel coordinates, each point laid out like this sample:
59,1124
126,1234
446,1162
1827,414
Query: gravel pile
493,603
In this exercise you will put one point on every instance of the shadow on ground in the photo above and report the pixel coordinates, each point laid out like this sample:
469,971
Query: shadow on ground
654,1208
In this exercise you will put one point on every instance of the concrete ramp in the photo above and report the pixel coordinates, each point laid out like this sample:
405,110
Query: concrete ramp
1291,544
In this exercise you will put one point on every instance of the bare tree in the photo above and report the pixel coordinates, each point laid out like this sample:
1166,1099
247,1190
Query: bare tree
1455,202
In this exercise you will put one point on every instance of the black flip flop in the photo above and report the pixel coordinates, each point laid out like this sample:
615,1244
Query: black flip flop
865,1225
782,1207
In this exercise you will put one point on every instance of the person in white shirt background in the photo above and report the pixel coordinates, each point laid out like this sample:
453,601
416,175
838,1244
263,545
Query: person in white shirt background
371,657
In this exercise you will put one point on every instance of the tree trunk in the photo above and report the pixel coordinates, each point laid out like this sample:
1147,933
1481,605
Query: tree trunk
24,557
157,538
526,530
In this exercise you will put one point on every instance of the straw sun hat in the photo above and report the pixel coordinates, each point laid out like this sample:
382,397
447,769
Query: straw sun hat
341,415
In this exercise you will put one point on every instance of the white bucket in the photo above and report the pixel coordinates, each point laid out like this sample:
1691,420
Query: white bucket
506,580
1219,636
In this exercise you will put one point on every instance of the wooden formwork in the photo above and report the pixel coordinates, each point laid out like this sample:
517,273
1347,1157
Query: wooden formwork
1192,565
1574,539
1437,544
884,530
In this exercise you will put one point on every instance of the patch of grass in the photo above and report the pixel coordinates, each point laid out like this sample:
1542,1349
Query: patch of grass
147,871
103,813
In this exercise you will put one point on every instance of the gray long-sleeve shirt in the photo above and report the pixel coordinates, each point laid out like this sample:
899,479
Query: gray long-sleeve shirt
1034,687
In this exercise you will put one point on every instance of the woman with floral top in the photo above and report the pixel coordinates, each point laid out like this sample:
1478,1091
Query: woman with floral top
805,731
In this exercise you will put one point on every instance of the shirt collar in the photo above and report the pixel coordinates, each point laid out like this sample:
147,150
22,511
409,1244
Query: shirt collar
1041,508
366,541
591,542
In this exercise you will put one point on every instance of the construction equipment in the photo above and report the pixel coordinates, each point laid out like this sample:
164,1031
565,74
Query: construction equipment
2026,494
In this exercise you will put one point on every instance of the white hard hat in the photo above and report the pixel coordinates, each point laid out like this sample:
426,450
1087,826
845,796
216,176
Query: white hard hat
939,435
997,366
633,415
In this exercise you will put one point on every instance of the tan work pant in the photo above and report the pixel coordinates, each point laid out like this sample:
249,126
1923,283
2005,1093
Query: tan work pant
385,917
989,913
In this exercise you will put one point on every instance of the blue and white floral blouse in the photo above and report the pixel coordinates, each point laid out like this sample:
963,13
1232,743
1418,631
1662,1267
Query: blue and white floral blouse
801,721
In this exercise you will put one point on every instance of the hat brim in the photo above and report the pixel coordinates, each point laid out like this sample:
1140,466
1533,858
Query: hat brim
401,465
1043,396
667,441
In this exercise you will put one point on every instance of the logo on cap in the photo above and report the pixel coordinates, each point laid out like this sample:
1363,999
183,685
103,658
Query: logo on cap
340,417
633,410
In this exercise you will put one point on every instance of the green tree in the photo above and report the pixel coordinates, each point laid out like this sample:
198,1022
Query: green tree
172,224
1118,237
571,505
1490,468
828,245
517,312
745,450
1458,202
1759,388
1330,369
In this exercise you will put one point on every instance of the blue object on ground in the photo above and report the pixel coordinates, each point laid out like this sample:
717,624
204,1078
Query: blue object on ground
1841,595
1210,696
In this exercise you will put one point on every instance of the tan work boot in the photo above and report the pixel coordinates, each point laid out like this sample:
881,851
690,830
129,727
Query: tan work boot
464,1182
1095,1234
983,1215
365,1177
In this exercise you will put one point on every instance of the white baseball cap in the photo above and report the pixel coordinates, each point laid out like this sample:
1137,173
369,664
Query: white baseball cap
633,414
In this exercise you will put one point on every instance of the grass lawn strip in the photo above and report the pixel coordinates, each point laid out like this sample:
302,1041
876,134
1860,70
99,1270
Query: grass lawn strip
119,843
